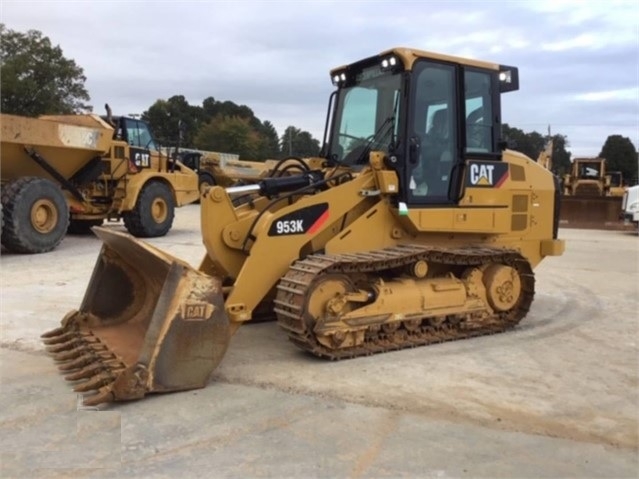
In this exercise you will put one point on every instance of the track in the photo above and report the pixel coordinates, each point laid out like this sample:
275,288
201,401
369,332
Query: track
296,287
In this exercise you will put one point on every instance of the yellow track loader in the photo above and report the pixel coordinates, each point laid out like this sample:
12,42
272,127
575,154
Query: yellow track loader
415,226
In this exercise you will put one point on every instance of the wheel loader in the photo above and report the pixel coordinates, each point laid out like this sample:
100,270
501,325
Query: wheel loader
67,173
413,227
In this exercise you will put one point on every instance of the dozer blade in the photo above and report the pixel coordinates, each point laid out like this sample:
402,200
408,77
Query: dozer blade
148,323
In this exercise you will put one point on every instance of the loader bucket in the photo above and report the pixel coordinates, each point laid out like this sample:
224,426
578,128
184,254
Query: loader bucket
148,323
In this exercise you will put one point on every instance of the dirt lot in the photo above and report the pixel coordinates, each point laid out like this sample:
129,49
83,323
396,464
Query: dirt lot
557,397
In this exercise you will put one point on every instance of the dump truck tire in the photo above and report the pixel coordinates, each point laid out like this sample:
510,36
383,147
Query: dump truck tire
35,215
205,181
82,227
153,213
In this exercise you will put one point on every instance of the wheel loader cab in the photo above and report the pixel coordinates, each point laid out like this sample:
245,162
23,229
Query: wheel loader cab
430,115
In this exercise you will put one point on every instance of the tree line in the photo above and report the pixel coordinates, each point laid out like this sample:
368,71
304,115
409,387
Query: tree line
38,79
225,127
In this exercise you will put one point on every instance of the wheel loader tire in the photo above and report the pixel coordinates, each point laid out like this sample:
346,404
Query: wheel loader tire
82,227
35,215
153,213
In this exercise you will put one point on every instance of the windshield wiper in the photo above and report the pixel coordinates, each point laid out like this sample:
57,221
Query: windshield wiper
377,138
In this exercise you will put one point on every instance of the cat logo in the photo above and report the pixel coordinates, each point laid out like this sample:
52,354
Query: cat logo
486,174
196,311
481,175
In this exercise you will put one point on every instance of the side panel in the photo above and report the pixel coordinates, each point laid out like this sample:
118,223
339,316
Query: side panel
270,256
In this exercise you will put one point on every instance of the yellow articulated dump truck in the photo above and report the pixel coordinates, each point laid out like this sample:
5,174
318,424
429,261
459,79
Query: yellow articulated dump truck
413,227
71,172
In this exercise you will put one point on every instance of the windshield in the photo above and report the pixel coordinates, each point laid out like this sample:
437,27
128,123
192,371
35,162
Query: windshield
365,116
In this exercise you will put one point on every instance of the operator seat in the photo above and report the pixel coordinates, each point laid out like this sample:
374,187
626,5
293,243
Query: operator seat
437,154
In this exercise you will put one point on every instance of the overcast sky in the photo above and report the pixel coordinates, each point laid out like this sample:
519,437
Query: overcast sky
578,60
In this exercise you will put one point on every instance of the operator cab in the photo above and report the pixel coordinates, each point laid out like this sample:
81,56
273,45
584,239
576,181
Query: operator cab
135,132
429,113
142,145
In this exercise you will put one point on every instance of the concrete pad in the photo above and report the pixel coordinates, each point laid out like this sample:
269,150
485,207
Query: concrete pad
556,397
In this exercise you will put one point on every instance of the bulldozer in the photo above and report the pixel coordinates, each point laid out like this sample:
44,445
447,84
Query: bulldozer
68,173
587,178
616,187
414,226
592,196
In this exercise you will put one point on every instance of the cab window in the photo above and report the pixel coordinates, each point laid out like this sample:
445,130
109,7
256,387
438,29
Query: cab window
478,106
138,135
434,129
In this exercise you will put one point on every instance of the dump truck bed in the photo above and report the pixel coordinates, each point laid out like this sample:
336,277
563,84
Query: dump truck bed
66,142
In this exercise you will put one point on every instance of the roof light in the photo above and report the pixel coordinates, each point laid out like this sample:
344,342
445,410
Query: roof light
339,78
505,76
389,63
508,78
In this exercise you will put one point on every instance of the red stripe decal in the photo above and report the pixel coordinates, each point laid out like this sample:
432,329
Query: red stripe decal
320,221
502,179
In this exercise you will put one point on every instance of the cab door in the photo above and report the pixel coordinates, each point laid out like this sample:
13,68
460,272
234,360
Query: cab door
433,133
140,142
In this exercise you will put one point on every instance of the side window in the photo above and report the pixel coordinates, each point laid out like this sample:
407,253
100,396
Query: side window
132,135
434,126
145,137
479,127
138,135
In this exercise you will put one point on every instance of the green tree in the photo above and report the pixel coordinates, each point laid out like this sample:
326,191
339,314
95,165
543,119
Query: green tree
167,117
533,143
530,144
621,155
295,142
560,156
37,78
230,134
270,141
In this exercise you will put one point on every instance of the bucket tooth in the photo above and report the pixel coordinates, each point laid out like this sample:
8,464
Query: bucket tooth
60,338
97,346
79,362
66,346
103,395
86,372
95,367
71,354
55,332
96,382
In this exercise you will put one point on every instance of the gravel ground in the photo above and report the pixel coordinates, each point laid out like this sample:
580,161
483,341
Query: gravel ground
556,397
